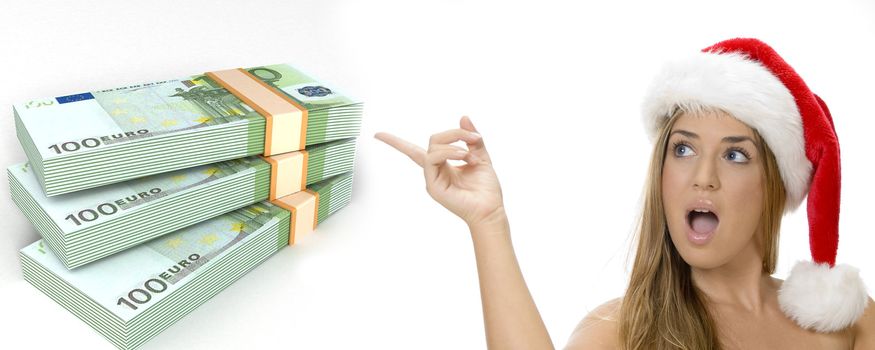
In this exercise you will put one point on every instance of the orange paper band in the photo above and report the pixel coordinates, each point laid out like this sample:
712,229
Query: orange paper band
285,127
288,173
303,207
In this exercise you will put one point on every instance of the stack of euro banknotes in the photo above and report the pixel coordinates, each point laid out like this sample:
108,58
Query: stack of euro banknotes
152,198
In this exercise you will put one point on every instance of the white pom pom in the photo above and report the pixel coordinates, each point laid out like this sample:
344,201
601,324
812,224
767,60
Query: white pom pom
821,298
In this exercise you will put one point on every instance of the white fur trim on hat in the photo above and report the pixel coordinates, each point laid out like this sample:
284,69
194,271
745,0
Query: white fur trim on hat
822,298
749,92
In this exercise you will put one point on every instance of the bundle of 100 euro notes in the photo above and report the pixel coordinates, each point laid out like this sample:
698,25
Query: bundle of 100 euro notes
96,138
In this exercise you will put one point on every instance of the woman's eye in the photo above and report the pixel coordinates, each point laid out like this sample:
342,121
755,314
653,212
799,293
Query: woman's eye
682,150
737,156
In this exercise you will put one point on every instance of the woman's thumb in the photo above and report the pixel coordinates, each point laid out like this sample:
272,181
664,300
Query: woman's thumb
465,123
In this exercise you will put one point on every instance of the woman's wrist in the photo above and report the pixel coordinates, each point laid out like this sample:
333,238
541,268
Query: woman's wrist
494,224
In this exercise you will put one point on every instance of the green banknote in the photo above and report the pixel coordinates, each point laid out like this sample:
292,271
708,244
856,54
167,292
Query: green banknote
132,296
101,137
85,226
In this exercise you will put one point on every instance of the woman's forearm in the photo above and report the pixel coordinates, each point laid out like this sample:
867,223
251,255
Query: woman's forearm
510,316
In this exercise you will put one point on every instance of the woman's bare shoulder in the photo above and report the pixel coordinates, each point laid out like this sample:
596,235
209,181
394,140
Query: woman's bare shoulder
598,330
864,329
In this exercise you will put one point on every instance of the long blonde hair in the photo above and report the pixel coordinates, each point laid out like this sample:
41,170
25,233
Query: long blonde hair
662,309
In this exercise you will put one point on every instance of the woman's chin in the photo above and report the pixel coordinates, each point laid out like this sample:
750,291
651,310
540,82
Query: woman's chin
702,260
702,256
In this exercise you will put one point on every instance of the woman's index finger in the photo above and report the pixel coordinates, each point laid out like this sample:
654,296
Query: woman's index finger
416,153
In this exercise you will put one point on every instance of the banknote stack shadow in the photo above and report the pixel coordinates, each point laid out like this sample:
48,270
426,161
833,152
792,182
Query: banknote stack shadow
152,198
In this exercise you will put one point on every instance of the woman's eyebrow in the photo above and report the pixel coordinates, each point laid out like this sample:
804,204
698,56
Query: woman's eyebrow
729,139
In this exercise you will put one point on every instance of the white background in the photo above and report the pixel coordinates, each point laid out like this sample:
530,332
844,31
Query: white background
554,88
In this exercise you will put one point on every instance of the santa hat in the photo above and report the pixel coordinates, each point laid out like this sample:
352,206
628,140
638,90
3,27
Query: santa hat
747,79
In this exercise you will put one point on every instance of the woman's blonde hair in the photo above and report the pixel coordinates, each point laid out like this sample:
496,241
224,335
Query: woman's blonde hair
662,309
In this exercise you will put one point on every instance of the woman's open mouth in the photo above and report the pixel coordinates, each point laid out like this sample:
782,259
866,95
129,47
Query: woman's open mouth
701,224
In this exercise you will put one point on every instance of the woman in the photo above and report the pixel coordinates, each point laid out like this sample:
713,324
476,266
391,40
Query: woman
739,140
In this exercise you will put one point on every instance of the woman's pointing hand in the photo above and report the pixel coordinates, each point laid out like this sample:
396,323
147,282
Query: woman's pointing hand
471,190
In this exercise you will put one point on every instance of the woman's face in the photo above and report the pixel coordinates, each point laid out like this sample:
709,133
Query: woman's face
712,164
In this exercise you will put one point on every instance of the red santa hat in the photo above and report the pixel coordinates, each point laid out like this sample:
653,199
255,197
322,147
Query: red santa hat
747,79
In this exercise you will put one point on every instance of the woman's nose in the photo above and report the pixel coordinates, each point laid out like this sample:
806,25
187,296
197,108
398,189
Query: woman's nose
706,175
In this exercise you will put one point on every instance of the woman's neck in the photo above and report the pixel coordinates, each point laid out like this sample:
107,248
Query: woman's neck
740,283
